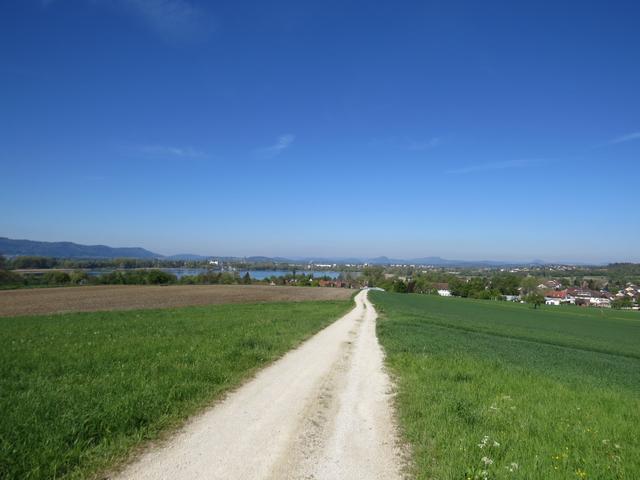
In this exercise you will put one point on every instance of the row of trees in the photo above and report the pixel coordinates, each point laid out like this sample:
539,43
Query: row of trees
36,262
126,277
488,288
475,287
39,262
9,279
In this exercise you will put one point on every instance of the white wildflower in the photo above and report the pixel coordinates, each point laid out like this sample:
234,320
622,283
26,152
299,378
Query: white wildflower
483,442
512,467
496,444
487,460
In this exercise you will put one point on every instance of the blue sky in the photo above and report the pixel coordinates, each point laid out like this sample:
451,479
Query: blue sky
469,130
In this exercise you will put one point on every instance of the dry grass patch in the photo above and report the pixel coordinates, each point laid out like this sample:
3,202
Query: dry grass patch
133,297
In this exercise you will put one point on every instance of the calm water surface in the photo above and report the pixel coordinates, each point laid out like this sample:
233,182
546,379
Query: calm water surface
255,274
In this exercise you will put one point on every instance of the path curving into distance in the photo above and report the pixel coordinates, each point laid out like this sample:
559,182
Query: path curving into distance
323,411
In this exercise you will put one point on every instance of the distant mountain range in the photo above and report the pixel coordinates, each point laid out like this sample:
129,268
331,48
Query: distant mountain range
70,250
12,247
435,261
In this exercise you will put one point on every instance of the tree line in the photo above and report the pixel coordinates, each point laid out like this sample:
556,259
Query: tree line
486,287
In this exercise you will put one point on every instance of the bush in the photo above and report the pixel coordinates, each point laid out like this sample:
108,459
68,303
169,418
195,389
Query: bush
207,278
56,278
188,280
480,294
228,278
534,299
624,302
158,277
111,278
79,277
33,262
11,279
135,277
400,287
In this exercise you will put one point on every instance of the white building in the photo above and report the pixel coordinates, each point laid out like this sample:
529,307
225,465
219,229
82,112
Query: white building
600,302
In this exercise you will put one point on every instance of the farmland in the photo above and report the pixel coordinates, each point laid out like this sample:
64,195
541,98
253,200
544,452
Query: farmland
80,391
130,297
499,390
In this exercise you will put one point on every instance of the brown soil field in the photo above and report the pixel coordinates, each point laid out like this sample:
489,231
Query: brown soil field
130,297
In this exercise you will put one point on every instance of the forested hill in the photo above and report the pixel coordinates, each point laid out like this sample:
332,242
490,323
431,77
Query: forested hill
70,250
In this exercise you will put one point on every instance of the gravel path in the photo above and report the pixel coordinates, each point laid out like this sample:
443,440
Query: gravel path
323,411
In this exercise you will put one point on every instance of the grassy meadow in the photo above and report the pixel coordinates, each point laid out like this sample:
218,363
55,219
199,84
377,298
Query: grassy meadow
79,391
496,390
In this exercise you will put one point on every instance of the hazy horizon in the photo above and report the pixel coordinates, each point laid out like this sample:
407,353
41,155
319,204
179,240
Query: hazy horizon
453,256
472,131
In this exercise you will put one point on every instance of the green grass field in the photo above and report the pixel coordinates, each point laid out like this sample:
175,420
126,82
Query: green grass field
499,390
78,392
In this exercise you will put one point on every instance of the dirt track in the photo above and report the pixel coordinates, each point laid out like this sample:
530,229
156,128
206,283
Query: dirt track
321,412
128,297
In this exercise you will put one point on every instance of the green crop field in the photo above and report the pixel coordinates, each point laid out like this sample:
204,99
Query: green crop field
79,391
496,390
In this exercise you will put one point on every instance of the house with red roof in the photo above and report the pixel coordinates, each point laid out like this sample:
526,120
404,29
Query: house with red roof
556,297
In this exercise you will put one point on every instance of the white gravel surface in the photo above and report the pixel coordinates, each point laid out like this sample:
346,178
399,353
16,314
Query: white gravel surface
323,411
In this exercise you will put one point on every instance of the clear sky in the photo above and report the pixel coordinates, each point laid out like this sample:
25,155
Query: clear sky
469,130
